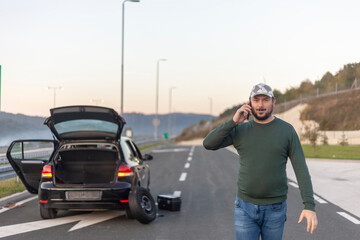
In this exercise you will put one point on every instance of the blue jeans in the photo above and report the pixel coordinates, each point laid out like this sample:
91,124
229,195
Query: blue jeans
253,220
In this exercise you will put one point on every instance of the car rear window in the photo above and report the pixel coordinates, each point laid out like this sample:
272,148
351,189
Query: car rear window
85,125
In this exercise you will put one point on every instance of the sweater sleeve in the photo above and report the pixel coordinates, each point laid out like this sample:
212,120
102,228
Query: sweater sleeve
220,137
297,158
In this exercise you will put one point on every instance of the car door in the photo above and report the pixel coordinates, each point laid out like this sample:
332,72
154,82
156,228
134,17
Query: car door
28,157
145,167
141,167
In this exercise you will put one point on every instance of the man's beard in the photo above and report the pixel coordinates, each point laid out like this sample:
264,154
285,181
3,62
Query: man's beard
266,116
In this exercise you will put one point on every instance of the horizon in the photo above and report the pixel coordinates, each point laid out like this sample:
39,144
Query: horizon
139,113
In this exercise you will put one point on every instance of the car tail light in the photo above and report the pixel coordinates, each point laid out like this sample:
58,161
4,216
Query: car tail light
125,171
46,172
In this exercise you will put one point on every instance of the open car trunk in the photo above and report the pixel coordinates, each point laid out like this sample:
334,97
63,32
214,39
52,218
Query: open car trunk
84,166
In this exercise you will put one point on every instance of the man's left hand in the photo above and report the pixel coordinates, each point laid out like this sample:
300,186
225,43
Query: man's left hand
311,219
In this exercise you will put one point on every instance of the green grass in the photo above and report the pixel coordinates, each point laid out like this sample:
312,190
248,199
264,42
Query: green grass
10,186
151,145
332,152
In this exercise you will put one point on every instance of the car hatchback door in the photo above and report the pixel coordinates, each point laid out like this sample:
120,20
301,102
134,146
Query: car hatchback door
28,157
85,122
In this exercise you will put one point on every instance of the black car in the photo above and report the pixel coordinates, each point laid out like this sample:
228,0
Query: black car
89,165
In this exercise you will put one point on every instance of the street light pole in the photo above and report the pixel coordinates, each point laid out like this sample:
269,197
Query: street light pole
169,119
55,88
210,99
156,121
122,55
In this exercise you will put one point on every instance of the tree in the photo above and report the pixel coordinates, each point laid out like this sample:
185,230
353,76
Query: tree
343,141
311,133
324,139
326,123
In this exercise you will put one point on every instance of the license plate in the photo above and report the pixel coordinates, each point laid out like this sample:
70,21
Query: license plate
83,195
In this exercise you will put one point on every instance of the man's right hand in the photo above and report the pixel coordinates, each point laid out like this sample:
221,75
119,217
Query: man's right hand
242,113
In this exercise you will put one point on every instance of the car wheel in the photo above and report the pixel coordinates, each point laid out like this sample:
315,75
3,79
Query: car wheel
128,213
142,205
47,213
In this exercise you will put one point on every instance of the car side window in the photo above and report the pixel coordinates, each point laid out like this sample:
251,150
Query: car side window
34,150
133,154
137,150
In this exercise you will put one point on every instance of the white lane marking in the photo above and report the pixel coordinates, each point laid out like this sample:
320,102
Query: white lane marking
177,193
187,165
170,150
319,200
294,184
190,153
316,198
232,149
189,158
13,195
15,229
25,201
18,204
348,217
3,210
183,177
95,218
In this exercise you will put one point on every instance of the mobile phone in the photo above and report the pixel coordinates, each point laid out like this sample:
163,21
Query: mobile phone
248,116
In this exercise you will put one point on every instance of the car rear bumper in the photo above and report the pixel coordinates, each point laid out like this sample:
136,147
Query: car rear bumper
85,205
112,197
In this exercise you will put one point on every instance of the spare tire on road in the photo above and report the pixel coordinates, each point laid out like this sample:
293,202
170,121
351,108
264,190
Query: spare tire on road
142,205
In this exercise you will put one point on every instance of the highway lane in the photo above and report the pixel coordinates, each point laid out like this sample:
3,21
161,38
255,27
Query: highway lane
207,191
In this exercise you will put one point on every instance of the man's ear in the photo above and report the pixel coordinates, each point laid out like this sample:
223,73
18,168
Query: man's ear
274,100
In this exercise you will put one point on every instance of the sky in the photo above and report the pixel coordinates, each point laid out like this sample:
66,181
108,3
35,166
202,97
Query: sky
215,51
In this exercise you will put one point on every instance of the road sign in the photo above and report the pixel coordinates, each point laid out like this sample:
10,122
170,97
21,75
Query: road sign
129,132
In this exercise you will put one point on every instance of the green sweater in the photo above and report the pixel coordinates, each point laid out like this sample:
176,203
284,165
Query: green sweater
263,152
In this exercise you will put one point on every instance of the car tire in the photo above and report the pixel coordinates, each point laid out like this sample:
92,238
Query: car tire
142,205
128,213
47,213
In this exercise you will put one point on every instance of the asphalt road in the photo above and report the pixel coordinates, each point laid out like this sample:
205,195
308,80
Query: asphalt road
206,181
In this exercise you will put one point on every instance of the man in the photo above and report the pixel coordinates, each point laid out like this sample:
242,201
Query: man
264,145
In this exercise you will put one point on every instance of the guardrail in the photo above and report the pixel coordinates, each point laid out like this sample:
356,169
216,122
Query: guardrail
6,170
3,158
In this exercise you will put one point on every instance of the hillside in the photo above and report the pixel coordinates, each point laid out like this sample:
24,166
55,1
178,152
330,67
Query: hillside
332,103
330,112
19,126
346,78
335,112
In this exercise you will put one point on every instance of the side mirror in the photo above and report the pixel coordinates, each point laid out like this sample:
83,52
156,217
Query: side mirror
147,157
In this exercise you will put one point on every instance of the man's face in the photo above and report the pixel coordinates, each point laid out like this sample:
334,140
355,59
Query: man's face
262,107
